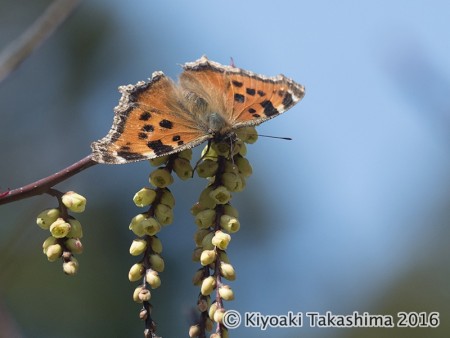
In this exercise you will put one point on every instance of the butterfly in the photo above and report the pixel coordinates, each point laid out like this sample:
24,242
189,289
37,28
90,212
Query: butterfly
210,102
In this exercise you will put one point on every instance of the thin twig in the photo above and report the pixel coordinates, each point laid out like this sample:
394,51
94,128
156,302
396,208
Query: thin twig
45,184
18,50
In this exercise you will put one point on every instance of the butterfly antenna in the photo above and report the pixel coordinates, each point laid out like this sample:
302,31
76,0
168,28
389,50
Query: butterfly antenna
232,62
278,137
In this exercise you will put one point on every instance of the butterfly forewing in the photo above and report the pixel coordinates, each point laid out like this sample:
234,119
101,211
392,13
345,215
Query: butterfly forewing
258,100
150,121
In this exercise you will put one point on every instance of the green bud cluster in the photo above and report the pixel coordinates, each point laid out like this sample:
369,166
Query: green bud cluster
226,169
159,202
65,231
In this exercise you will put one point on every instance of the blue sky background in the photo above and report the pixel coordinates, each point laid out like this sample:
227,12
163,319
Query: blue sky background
352,215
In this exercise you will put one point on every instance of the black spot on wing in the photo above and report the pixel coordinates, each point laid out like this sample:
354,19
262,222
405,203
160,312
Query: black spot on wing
129,156
239,98
166,124
148,128
145,116
158,147
269,109
250,91
251,110
287,100
237,83
142,136
108,158
176,138
261,93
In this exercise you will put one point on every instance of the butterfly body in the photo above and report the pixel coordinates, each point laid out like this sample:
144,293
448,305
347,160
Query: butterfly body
211,101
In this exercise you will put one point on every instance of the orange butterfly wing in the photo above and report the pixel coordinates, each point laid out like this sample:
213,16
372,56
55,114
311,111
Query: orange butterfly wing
150,121
244,98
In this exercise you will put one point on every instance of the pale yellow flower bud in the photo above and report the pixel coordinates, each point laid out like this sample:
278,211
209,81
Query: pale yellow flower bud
136,293
74,245
49,241
220,195
74,202
152,278
247,134
182,168
243,183
199,235
136,225
227,271
59,228
212,310
204,219
138,246
207,241
167,198
144,197
53,252
76,230
226,293
161,178
221,240
230,167
208,285
71,267
218,315
243,149
208,153
221,148
186,154
151,226
194,331
229,223
207,257
223,257
244,166
164,214
136,272
144,295
232,181
196,208
207,168
159,160
47,217
156,262
205,200
230,210
141,225
156,245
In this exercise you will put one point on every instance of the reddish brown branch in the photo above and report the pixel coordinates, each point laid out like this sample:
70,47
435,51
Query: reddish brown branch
43,185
